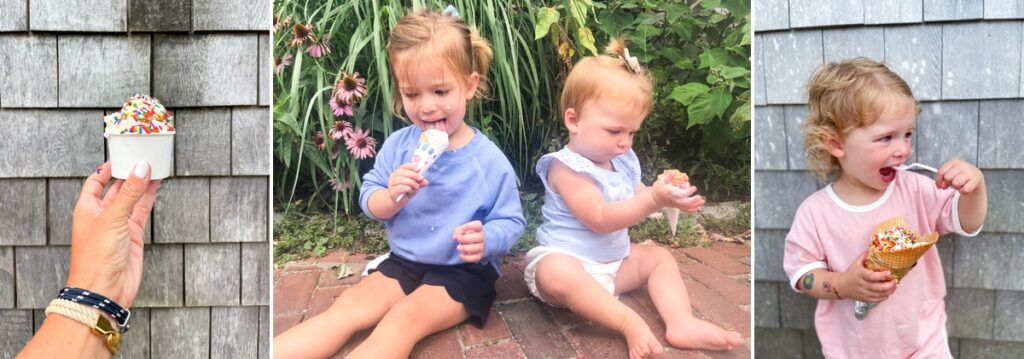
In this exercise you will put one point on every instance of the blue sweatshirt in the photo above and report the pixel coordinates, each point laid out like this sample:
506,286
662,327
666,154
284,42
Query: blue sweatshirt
475,182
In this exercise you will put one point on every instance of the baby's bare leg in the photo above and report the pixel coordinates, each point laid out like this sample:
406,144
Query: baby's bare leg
358,308
562,281
655,267
427,310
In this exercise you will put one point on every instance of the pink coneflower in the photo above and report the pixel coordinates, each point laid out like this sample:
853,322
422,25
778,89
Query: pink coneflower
281,63
340,108
350,88
301,33
339,185
341,129
361,144
318,140
319,46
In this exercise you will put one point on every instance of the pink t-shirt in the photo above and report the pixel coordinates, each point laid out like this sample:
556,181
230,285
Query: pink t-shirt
829,233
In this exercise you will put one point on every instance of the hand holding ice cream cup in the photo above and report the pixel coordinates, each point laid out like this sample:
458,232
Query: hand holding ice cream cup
142,130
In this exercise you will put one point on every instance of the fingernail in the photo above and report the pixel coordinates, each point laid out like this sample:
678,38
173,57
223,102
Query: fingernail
98,169
141,169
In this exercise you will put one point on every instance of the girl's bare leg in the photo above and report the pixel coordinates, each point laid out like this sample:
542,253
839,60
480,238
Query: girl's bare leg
427,310
562,281
655,267
358,308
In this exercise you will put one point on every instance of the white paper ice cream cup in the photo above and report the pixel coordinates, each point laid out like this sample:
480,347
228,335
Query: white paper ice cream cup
157,149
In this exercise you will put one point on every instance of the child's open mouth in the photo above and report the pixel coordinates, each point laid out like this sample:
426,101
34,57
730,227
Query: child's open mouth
440,125
888,174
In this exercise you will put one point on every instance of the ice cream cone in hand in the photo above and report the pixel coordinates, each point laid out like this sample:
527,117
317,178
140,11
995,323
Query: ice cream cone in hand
896,249
678,179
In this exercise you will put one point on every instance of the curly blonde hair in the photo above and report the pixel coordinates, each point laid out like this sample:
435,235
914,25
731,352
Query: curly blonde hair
425,34
842,97
595,77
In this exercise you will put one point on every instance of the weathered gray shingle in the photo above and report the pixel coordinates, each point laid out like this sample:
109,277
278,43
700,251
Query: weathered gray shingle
771,15
64,143
778,343
799,312
1010,320
1004,9
16,326
766,308
915,53
808,13
236,332
13,15
135,343
162,281
84,15
988,349
789,60
212,274
182,211
159,15
999,128
779,195
255,273
769,253
237,203
946,131
947,249
989,261
970,312
180,332
981,60
795,117
892,11
846,43
266,64
40,273
1006,201
770,146
6,277
202,143
22,211
231,15
28,83
205,70
264,335
759,87
250,145
102,71
62,197
938,10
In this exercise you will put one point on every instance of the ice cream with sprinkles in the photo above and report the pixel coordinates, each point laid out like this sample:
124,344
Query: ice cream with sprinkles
140,115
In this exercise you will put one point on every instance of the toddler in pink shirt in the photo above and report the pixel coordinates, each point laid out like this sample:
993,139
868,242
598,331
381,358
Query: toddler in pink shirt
861,120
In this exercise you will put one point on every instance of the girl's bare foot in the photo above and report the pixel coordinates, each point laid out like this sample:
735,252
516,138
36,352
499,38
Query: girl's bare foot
640,340
693,333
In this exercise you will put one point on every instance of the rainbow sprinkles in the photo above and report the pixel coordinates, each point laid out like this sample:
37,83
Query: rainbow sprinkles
140,115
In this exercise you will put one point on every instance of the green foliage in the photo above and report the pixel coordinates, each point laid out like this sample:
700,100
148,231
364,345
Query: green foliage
298,236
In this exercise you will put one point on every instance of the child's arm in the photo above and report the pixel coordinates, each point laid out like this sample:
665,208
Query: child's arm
969,180
585,201
404,180
856,283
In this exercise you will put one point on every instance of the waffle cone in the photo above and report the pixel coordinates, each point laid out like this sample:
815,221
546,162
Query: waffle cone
898,262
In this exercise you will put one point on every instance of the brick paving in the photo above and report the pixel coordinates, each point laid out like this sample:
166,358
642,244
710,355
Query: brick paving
520,326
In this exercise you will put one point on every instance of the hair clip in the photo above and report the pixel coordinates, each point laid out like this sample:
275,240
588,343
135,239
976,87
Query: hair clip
631,61
450,11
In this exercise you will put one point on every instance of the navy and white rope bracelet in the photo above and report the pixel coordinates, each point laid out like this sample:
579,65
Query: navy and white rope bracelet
95,300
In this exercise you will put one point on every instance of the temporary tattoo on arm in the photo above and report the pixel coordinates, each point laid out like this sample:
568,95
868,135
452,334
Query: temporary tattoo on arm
808,281
830,289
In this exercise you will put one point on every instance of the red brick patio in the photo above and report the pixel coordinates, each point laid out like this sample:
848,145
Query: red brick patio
520,326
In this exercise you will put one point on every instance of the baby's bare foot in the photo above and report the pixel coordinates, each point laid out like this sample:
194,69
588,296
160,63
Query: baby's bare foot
693,333
640,340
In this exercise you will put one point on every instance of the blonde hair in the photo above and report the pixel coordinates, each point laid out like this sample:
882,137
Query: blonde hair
842,97
428,33
596,77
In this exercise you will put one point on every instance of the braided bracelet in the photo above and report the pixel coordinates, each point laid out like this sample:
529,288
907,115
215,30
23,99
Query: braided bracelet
95,300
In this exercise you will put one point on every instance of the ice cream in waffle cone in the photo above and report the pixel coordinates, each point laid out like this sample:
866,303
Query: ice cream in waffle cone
678,179
896,248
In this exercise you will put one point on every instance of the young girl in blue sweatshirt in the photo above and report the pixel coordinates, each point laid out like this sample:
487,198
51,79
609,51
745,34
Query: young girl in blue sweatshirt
447,226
